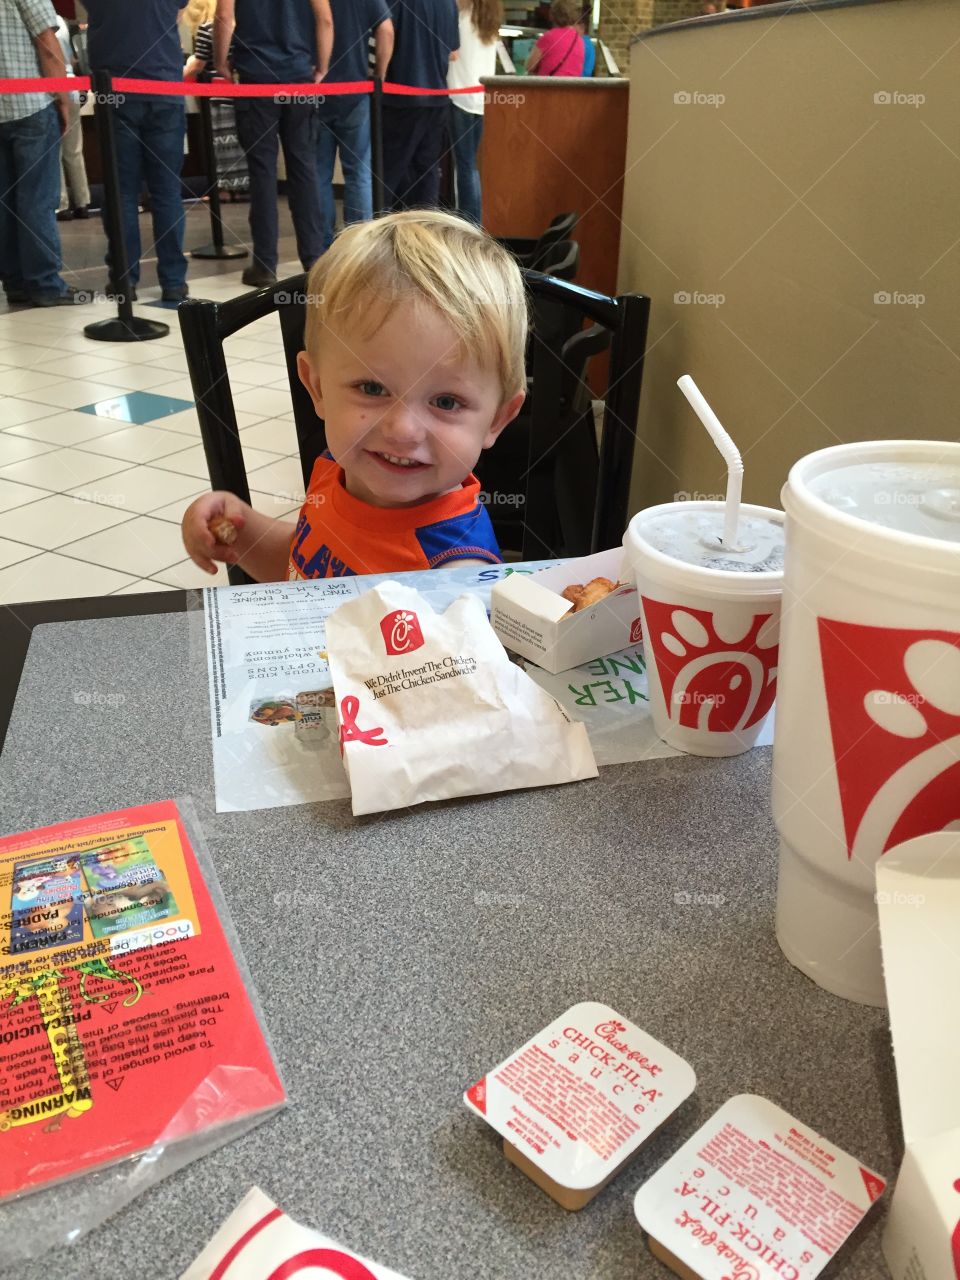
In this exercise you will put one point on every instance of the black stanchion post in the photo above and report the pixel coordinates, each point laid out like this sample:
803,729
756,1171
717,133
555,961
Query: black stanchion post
376,145
217,249
126,327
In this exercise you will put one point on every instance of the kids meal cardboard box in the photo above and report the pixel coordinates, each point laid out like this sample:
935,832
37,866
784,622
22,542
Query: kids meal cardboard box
918,901
532,617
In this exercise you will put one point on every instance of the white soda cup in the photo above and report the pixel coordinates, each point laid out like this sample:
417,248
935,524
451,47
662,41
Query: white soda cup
710,621
867,741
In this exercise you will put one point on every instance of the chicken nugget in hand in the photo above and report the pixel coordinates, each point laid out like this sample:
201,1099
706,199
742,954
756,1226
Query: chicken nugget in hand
212,529
223,530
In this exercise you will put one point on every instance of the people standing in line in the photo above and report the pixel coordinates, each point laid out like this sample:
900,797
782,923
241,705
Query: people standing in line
345,118
283,42
426,39
559,51
480,22
74,188
141,41
30,128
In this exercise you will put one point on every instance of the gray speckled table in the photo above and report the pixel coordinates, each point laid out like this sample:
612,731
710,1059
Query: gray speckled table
434,943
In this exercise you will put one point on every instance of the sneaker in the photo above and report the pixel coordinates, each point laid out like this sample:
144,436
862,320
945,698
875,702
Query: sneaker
176,294
65,215
82,211
17,297
111,292
259,277
72,298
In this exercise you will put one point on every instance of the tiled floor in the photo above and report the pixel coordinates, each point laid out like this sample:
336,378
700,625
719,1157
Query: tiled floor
100,448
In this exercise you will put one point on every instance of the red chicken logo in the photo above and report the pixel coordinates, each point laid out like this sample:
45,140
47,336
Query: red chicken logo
712,679
893,701
401,632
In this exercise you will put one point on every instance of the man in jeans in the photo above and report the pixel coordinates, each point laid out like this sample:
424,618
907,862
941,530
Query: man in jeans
30,128
345,119
280,42
141,41
415,126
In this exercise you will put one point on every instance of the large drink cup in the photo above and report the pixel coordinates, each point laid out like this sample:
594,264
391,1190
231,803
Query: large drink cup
867,740
710,619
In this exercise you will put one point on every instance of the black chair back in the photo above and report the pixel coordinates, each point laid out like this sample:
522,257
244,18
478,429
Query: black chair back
205,327
561,228
551,489
529,251
561,260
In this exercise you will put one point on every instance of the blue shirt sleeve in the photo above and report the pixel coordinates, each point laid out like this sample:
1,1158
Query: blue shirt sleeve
452,31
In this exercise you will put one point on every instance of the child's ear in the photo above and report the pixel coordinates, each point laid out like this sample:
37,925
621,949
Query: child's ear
309,378
505,414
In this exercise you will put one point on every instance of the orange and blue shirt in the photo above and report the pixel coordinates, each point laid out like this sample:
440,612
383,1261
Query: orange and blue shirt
338,535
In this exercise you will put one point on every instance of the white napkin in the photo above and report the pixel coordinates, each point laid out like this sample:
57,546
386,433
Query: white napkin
258,1238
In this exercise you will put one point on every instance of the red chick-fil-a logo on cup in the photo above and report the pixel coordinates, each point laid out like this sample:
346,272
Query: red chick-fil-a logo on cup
401,631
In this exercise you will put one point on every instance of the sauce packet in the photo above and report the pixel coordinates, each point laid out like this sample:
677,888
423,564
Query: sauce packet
754,1194
575,1104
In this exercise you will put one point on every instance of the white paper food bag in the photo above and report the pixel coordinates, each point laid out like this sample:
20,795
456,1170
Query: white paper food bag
431,707
258,1242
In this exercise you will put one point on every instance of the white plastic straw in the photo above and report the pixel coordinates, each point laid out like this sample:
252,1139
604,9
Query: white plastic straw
728,451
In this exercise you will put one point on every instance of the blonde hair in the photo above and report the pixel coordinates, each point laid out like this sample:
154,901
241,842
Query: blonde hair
564,13
198,12
439,258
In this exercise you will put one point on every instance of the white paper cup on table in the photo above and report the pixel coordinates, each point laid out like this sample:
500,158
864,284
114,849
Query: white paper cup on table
867,742
711,618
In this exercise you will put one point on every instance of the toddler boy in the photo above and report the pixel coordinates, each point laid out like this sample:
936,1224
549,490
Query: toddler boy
415,334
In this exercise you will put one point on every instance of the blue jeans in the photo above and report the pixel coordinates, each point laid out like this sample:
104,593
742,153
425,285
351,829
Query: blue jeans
29,193
467,130
149,134
344,124
261,123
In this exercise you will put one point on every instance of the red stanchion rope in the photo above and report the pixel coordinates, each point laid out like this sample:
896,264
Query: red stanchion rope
222,88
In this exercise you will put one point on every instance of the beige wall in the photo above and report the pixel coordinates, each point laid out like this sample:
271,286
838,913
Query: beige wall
621,20
797,199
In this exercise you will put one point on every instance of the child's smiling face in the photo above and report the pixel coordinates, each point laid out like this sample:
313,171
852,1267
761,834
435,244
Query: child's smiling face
407,413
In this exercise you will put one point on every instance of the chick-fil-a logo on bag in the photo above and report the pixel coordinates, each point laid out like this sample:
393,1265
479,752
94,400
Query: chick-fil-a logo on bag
636,631
350,731
893,702
401,632
712,679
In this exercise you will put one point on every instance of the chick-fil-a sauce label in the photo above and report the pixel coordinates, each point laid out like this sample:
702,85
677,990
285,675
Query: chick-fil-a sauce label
581,1095
756,1195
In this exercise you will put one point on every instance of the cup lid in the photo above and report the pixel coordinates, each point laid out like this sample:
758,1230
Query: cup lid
696,577
927,550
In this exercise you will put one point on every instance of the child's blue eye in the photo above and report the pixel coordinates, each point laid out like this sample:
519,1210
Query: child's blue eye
447,403
371,388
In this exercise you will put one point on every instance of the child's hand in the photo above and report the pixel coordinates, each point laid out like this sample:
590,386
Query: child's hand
200,540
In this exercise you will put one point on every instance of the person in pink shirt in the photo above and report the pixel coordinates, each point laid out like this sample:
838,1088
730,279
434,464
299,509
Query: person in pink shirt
559,51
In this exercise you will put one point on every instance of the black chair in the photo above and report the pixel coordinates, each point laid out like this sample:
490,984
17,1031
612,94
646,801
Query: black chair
561,260
529,251
551,489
